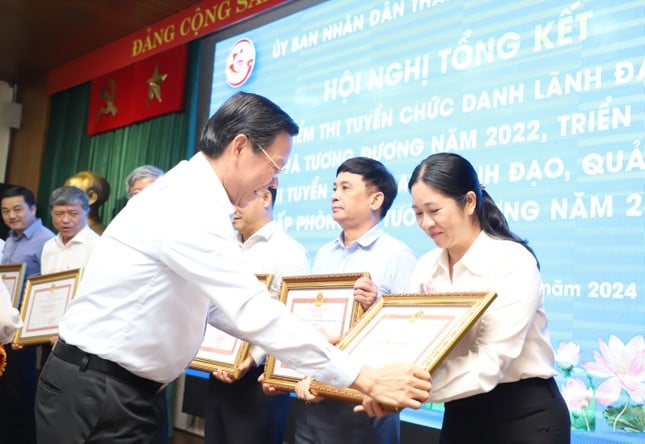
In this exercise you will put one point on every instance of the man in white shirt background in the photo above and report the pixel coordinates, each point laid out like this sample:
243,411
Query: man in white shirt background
72,246
238,411
140,178
166,265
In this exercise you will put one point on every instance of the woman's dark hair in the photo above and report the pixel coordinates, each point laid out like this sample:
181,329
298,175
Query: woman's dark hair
374,173
453,176
245,113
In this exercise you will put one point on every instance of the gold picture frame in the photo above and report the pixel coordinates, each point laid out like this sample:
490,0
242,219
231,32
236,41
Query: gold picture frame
45,300
13,277
221,351
412,328
324,301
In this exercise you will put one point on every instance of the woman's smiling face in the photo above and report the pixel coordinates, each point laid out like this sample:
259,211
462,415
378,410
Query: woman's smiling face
449,225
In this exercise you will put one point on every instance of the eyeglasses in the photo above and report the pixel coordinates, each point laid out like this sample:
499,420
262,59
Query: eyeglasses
276,167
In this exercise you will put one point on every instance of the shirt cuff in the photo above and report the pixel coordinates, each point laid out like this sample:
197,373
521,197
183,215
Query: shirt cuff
342,370
257,354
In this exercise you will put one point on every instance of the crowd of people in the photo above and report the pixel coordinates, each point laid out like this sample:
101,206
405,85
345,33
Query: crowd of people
155,276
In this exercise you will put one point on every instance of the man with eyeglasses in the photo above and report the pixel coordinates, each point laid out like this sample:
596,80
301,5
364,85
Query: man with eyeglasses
276,168
157,275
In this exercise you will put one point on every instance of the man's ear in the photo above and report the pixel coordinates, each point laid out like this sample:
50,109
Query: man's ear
266,198
238,144
376,200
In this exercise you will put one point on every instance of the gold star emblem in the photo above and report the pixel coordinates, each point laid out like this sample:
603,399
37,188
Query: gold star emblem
154,84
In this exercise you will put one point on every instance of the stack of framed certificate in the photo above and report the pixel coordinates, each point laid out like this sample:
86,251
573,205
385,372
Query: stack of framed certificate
418,329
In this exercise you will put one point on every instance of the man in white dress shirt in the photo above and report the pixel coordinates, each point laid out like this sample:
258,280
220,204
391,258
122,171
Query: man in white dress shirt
238,411
72,246
167,264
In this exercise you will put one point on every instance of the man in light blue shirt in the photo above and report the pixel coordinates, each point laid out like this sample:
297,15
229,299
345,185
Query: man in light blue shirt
363,193
27,235
24,244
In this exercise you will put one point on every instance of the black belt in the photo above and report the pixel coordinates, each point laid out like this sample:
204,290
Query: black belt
74,355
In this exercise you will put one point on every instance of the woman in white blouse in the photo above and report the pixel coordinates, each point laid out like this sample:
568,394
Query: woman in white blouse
497,384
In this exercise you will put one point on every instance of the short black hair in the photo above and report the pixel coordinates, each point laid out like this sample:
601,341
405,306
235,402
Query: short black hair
18,190
374,173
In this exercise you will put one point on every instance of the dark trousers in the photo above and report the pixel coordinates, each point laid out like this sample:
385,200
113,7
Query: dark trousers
78,404
333,422
530,411
17,393
241,413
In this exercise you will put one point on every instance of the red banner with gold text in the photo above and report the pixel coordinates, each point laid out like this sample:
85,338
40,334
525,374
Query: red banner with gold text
190,24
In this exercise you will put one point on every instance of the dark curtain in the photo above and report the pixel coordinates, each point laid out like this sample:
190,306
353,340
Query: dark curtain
162,141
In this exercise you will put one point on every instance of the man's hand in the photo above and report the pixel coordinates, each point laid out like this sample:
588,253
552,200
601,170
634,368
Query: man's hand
374,409
269,389
303,392
365,292
228,378
393,387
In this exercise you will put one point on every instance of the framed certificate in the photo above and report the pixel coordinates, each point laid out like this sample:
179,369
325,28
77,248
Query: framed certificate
44,301
324,301
13,277
221,351
412,328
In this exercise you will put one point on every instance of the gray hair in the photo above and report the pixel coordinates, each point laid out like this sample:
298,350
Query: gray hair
69,195
142,172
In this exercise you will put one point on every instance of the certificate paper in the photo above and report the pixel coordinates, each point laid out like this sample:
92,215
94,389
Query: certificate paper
45,300
419,329
221,351
326,302
328,310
